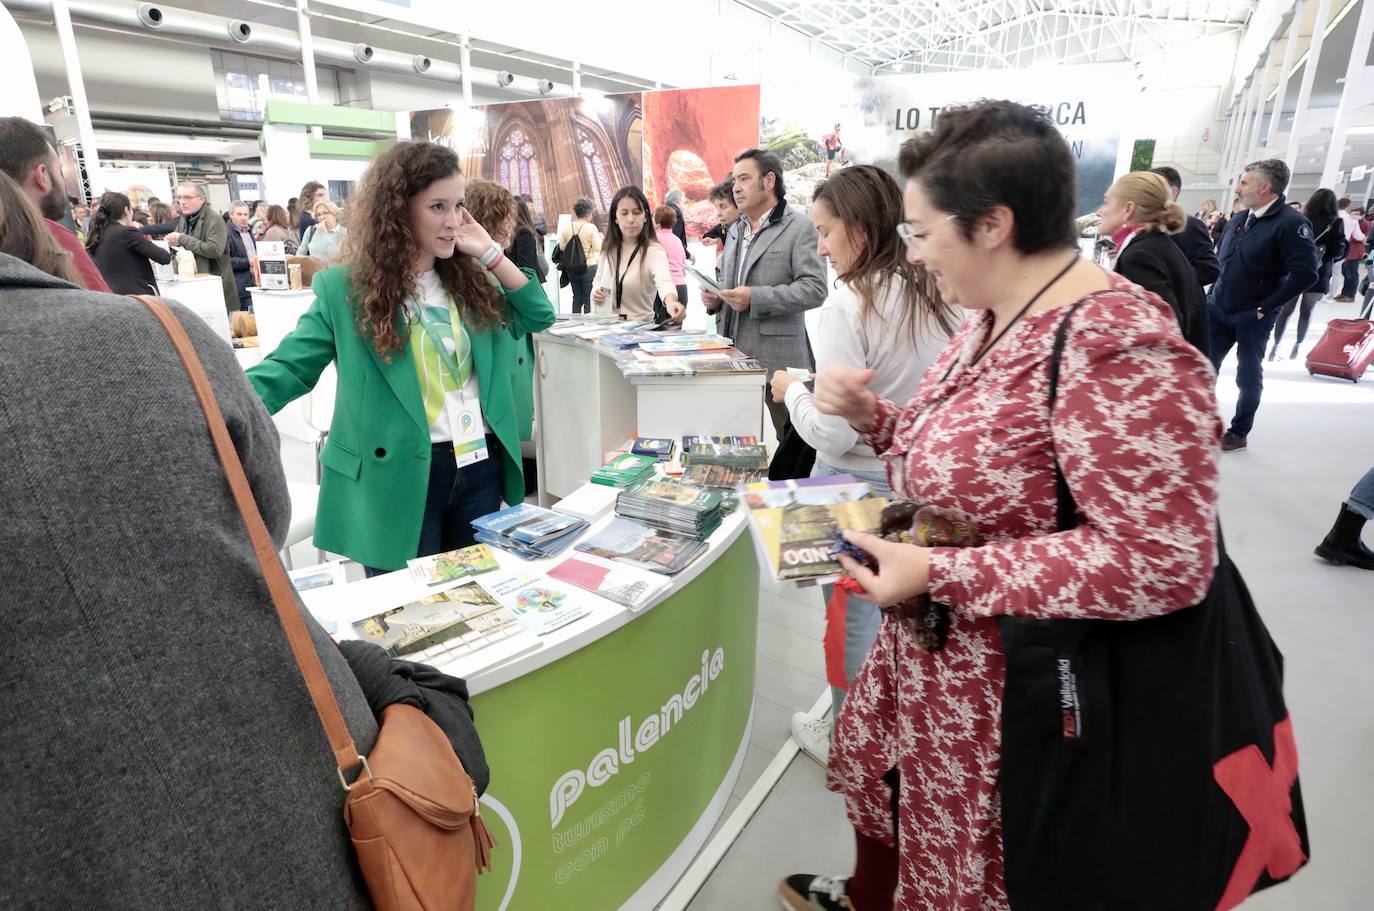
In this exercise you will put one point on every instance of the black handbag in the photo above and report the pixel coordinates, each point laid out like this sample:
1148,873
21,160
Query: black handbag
794,457
1146,764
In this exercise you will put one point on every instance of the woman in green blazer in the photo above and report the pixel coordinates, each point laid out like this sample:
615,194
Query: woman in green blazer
425,327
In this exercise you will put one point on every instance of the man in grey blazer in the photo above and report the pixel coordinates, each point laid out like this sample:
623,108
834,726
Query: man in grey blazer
771,273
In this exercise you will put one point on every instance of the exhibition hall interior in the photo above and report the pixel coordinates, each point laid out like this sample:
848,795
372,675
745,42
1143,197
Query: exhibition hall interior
883,455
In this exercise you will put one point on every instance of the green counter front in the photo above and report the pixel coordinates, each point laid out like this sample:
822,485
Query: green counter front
611,765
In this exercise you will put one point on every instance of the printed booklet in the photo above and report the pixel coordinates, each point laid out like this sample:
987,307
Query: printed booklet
466,561
638,545
541,606
628,587
794,522
446,625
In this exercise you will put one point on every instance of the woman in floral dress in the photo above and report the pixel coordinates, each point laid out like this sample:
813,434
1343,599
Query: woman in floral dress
990,202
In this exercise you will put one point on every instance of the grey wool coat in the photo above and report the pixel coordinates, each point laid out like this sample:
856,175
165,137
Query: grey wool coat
786,278
160,749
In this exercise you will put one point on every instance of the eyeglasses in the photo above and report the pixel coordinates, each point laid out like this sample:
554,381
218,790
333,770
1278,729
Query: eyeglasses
910,236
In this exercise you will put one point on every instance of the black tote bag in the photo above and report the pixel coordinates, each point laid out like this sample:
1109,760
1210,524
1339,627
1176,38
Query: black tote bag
1147,765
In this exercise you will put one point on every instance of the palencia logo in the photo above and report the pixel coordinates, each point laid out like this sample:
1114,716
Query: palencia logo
606,764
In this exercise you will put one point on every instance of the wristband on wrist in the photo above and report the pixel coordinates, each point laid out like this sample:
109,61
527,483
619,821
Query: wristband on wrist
491,266
490,257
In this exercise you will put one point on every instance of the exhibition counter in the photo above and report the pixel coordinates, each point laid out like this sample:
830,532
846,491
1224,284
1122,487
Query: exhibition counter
584,407
615,744
203,295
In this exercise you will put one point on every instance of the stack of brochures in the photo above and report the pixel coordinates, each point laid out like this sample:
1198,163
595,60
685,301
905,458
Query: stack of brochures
677,345
589,502
724,465
625,470
448,626
673,506
528,531
794,522
632,588
639,545
660,448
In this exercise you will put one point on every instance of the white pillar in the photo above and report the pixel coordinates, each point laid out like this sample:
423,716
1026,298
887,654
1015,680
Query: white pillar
1364,31
1228,144
465,61
1290,53
1238,150
1309,73
1264,86
577,79
312,85
62,18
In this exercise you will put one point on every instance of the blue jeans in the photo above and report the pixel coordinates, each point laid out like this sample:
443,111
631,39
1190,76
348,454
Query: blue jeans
862,617
1248,336
456,496
1362,497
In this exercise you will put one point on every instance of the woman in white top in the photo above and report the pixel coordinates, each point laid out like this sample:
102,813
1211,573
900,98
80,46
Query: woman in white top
325,238
884,316
633,267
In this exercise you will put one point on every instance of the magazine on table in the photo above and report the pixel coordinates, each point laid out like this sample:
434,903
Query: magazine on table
642,546
466,561
539,604
794,522
632,588
446,625
322,575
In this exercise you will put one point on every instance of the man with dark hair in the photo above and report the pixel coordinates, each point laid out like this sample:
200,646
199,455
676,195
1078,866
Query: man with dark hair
1268,258
311,195
27,155
1195,241
770,273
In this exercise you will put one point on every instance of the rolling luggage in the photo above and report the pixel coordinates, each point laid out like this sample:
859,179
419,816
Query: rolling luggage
1345,350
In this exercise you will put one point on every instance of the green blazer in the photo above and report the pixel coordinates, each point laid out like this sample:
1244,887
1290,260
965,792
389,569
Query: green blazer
376,458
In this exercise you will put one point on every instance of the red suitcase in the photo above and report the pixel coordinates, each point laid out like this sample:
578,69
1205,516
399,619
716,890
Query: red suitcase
1345,350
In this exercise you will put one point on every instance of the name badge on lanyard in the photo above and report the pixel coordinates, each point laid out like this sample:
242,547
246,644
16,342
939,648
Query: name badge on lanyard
464,416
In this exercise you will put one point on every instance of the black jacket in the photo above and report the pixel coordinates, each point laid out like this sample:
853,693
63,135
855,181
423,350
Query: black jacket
1265,265
524,251
1155,263
122,258
680,226
1196,243
238,259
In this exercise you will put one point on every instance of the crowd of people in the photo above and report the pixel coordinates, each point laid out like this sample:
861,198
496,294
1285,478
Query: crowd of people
967,355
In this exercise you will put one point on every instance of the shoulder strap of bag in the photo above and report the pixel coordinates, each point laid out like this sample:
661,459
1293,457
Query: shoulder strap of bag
283,594
1066,510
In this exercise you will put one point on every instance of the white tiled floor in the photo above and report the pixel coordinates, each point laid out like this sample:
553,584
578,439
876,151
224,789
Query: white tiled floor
1312,440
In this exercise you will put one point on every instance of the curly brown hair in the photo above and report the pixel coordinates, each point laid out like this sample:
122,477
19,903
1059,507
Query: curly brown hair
384,248
491,204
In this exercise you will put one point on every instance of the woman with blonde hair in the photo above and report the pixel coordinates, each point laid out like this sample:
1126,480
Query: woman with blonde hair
1209,207
1142,202
325,239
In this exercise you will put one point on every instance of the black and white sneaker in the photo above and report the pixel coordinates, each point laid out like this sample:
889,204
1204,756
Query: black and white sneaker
808,892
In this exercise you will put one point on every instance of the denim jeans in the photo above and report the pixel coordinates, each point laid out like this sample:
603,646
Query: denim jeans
862,616
1362,497
1350,271
456,496
1248,336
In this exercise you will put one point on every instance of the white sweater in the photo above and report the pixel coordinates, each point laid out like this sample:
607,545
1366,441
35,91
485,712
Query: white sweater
882,342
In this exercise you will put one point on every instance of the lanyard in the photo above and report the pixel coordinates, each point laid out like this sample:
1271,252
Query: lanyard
449,360
1015,319
620,276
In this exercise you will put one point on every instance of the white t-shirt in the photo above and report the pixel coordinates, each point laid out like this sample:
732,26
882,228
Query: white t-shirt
433,295
882,342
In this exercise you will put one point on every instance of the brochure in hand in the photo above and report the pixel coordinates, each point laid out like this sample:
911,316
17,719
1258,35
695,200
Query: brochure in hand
639,545
528,531
632,588
442,626
539,604
794,522
673,506
625,470
466,561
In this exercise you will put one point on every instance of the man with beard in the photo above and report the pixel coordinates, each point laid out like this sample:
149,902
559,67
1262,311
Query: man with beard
28,156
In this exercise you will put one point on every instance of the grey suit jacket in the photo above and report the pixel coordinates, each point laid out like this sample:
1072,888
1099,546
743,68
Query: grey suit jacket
785,277
160,748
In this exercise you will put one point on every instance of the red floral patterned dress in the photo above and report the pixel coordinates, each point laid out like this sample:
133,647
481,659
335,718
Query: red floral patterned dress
1136,429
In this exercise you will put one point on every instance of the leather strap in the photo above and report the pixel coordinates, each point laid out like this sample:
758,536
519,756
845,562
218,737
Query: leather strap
283,592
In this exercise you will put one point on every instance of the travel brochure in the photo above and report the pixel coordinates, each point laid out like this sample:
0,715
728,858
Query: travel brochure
642,546
447,625
322,575
529,531
589,502
632,588
659,448
673,506
625,470
456,564
539,604
794,522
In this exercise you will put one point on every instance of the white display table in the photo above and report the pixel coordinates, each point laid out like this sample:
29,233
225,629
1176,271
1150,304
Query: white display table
615,745
584,407
203,295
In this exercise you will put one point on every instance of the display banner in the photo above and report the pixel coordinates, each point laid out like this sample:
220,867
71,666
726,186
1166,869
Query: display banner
552,151
691,138
138,183
818,127
603,762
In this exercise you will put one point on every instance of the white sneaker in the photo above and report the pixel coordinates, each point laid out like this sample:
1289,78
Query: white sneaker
812,734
